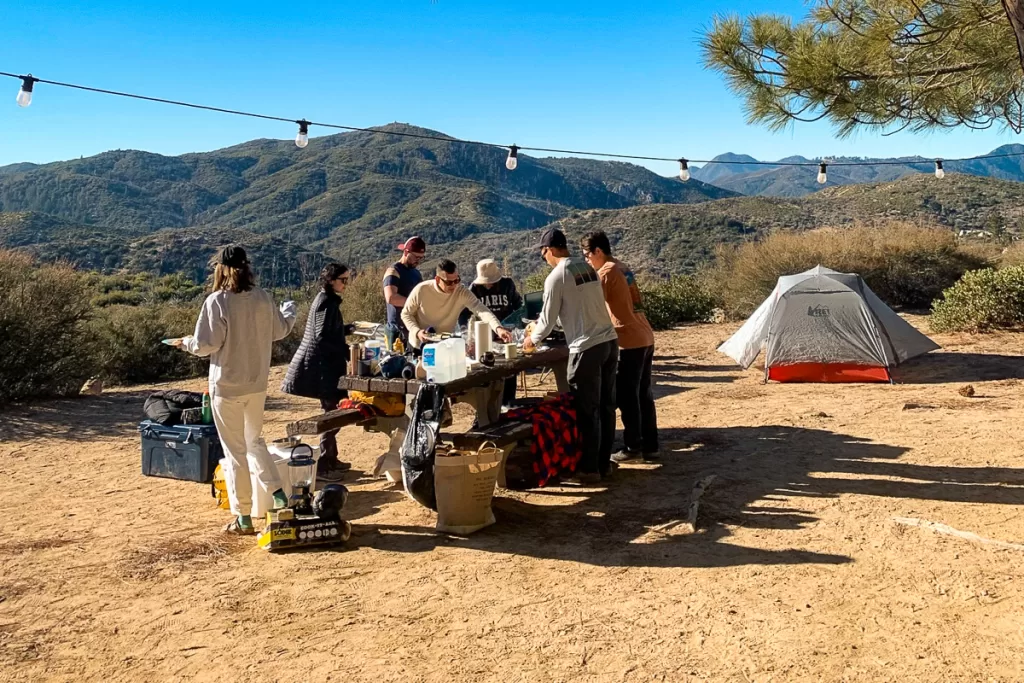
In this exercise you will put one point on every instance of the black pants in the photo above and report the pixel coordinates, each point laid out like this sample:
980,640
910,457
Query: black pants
592,383
328,440
635,396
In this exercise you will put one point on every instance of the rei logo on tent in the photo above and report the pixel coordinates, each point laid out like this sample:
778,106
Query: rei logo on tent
818,311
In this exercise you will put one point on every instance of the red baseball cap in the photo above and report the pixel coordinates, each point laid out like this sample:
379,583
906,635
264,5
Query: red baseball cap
414,244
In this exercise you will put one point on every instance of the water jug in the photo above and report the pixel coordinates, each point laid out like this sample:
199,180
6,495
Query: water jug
445,360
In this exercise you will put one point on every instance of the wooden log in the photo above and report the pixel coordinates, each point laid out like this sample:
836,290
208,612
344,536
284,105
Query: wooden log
950,531
698,490
325,422
689,524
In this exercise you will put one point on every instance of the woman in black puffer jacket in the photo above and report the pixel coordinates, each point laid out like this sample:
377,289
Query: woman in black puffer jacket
321,360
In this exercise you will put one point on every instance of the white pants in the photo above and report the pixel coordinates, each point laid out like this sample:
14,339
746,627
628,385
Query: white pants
240,426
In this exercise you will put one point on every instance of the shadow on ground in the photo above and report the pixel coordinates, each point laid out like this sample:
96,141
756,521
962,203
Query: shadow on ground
937,368
760,470
76,419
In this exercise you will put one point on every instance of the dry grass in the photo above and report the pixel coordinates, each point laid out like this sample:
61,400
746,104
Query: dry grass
907,265
1012,255
171,557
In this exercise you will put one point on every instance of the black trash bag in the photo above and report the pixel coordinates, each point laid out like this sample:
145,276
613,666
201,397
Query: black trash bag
418,447
329,501
166,407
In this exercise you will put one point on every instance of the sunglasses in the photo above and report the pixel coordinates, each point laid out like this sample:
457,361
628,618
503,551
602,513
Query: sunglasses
450,282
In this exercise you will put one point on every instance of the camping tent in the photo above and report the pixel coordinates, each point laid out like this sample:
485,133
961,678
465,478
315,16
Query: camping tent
825,326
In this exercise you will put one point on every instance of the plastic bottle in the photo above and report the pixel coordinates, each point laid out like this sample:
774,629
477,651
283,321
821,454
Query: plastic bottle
207,409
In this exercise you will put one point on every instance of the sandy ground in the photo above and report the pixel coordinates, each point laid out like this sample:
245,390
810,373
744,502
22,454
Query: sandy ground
797,573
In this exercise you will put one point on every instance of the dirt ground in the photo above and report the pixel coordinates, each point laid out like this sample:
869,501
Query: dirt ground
797,573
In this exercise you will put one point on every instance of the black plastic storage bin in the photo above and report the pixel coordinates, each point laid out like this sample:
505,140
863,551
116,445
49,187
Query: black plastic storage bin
186,452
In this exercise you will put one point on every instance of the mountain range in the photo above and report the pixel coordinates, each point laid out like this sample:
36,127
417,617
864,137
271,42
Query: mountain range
354,196
746,175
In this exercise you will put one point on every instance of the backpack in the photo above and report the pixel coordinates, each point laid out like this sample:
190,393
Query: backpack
166,407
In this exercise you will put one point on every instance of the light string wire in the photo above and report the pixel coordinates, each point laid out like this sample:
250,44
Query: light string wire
28,78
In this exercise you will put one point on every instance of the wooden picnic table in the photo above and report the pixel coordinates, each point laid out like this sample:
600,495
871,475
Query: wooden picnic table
482,387
477,387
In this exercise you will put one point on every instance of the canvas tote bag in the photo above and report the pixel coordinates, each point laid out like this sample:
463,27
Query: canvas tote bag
464,485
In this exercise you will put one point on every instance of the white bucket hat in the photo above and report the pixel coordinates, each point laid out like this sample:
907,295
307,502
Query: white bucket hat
487,272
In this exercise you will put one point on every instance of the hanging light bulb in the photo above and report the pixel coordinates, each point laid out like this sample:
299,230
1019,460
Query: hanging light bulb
513,158
939,173
302,139
684,170
25,94
822,175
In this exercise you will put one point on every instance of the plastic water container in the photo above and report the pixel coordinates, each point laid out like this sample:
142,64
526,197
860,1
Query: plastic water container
373,348
445,360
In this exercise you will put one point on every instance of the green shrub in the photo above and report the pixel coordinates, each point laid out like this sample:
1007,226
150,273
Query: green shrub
683,298
907,266
535,281
118,297
364,297
982,300
44,349
127,348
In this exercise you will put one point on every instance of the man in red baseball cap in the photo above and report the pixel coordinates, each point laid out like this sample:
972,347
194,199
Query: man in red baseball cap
401,278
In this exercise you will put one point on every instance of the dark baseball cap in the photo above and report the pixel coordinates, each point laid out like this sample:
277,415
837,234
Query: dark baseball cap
552,237
233,256
414,244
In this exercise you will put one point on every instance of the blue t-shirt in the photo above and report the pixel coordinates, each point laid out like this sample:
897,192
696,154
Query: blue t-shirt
405,278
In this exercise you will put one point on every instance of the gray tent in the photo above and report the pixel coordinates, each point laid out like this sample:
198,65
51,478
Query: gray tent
826,326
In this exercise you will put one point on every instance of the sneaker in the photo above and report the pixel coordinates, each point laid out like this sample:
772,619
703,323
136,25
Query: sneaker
626,455
650,456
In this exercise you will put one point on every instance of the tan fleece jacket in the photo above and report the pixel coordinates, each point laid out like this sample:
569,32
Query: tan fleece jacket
428,306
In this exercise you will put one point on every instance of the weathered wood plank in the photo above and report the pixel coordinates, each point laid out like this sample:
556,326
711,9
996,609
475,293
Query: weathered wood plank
325,422
480,376
379,385
501,435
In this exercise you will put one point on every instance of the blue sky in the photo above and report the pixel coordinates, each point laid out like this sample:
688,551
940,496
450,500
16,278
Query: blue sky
604,76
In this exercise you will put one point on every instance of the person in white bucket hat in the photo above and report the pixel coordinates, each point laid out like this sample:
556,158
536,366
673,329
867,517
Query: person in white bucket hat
498,293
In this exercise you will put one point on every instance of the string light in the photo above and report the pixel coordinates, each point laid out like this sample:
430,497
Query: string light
302,139
513,158
25,94
684,170
24,99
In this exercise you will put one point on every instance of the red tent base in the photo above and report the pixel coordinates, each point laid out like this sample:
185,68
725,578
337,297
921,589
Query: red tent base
828,372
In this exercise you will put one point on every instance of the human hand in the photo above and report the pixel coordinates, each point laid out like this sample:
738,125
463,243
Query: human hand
423,336
528,345
504,334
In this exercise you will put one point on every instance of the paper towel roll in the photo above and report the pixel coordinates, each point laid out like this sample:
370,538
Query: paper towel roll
481,338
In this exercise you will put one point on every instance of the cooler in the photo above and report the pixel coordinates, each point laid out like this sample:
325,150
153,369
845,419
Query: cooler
185,452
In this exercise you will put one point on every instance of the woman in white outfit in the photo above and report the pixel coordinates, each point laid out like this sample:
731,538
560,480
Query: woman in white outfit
236,329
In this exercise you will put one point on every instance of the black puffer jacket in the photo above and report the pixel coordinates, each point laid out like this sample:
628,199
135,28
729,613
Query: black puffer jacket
321,357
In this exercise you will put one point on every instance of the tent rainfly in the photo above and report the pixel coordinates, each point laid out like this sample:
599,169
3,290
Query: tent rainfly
826,326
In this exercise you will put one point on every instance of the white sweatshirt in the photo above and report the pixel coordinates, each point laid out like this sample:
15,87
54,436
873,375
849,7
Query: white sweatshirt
237,332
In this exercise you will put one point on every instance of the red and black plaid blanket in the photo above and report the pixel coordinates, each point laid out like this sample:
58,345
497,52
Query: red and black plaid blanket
556,441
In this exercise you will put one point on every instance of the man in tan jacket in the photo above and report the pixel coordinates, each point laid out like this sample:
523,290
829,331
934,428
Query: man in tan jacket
437,304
